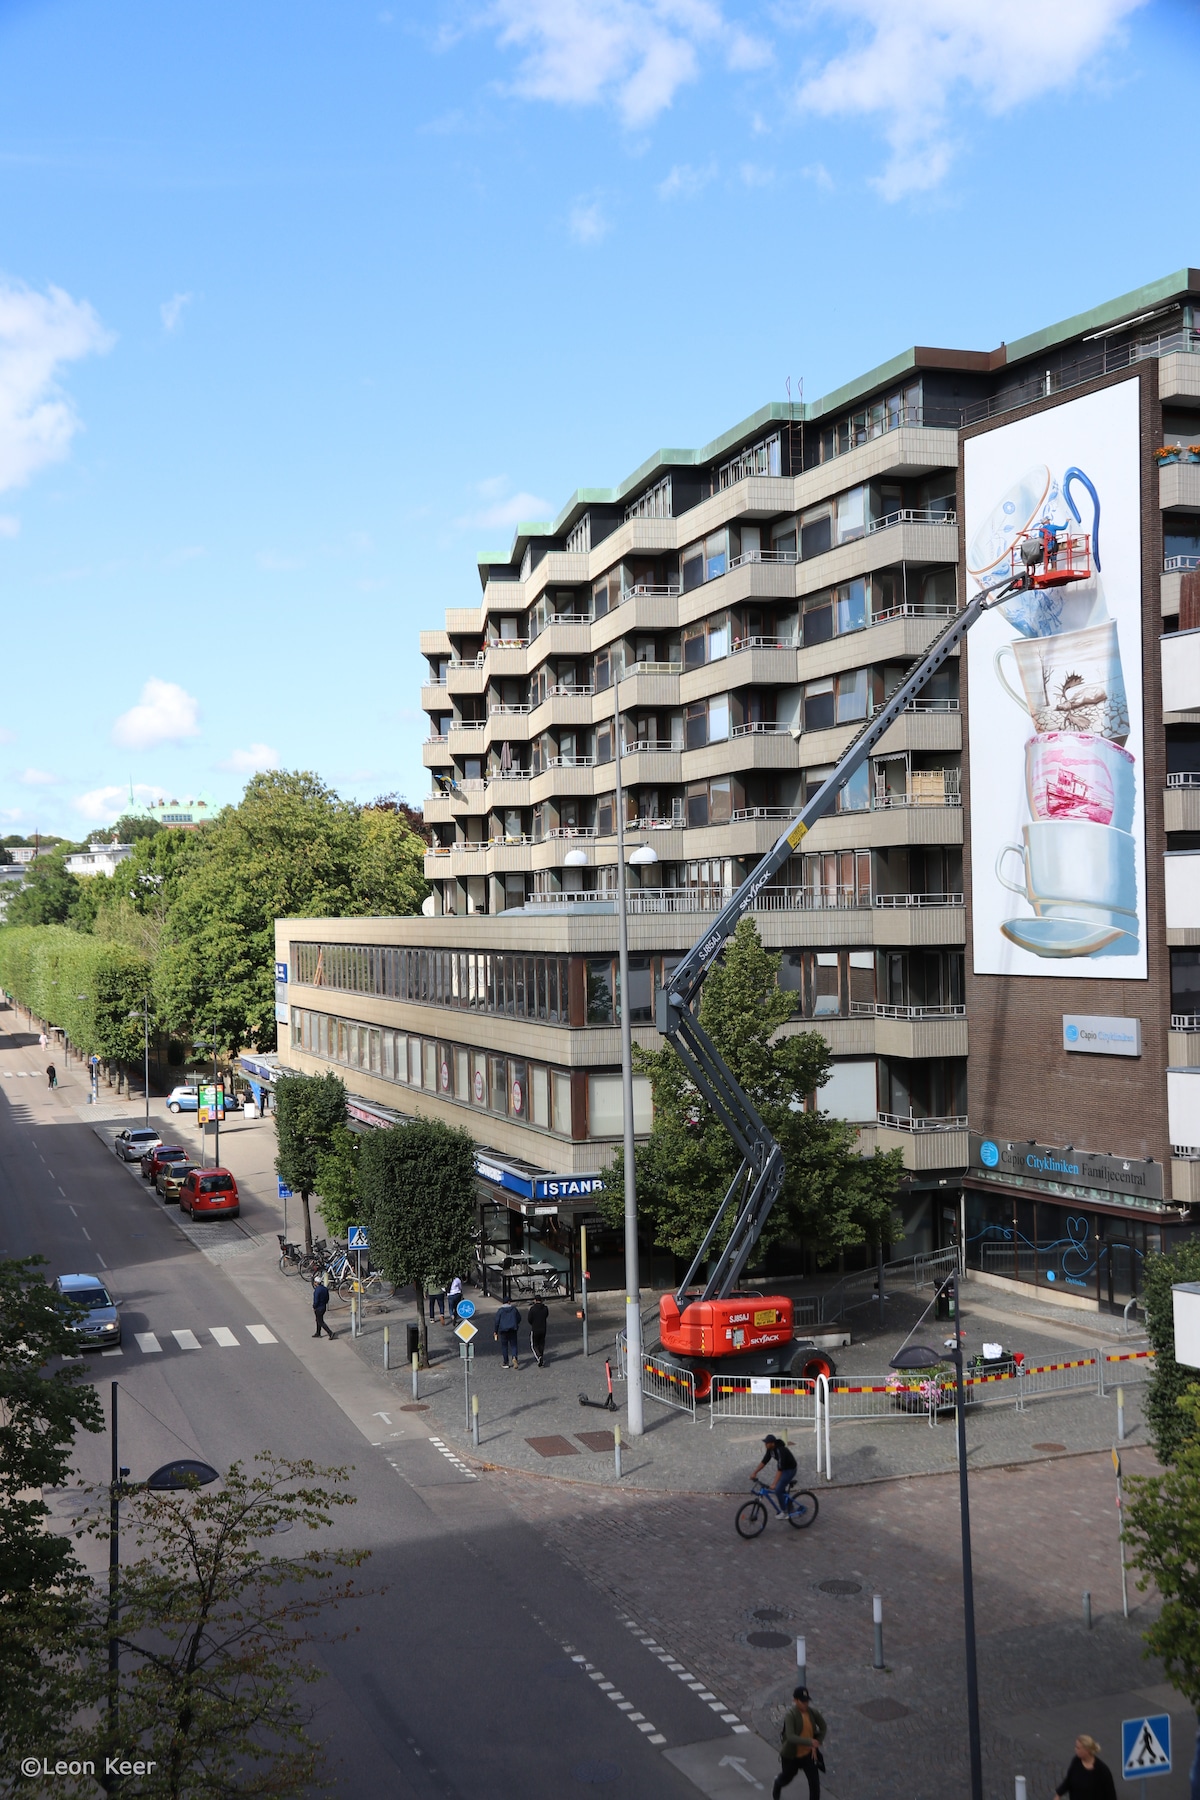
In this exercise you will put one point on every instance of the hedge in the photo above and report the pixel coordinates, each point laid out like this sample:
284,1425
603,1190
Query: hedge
85,986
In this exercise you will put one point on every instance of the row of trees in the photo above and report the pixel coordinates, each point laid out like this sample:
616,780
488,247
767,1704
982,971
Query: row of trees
212,1625
193,912
88,986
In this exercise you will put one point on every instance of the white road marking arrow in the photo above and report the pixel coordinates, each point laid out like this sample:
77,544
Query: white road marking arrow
739,1763
386,1417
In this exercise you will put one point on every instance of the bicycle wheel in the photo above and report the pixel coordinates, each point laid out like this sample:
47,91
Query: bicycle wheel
751,1519
802,1509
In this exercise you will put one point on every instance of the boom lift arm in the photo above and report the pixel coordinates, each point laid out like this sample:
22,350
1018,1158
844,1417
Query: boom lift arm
757,1184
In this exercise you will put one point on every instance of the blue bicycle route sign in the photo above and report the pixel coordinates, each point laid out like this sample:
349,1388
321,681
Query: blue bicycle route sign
465,1309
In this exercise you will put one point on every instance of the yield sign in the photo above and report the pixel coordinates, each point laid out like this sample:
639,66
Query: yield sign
1146,1746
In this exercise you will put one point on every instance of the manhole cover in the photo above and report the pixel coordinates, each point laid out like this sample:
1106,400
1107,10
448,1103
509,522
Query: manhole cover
840,1587
768,1640
592,1774
414,1406
883,1711
1049,1446
768,1614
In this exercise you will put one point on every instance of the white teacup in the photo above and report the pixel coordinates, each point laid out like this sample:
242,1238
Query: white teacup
1070,865
1073,775
1072,682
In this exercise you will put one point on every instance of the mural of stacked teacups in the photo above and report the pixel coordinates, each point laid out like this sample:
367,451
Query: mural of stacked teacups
1076,863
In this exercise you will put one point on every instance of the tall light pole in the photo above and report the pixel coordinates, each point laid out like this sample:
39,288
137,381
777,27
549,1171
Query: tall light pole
633,1298
144,1016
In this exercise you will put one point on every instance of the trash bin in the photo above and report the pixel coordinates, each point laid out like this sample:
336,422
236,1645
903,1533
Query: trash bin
414,1342
944,1308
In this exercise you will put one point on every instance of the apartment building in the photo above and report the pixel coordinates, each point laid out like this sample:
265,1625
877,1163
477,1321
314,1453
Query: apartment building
734,613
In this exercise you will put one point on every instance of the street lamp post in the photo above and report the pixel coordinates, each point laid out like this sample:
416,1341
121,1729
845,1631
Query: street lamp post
921,1356
144,1016
633,1297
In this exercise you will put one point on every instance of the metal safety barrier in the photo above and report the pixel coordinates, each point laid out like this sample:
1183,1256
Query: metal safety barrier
762,1397
669,1383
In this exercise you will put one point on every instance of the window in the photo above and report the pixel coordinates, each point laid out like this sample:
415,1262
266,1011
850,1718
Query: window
851,603
816,531
539,1096
718,718
641,996
697,804
716,555
693,568
851,696
760,459
855,795
498,1084
560,1093
851,516
599,992
783,538
817,621
696,730
826,1000
655,503
606,1108
720,801
818,705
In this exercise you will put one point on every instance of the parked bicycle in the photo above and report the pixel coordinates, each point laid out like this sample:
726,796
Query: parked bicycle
799,1509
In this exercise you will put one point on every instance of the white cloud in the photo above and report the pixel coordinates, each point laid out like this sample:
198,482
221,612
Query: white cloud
249,762
10,525
587,223
276,564
685,181
165,714
908,63
39,333
37,778
110,802
172,311
755,176
634,53
505,514
6,736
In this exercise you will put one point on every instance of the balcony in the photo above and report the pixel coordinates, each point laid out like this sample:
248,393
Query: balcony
1181,875
1179,485
926,1143
435,753
912,515
1180,677
1181,802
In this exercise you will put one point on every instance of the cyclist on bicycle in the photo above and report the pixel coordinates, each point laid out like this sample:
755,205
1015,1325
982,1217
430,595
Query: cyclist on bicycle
776,1451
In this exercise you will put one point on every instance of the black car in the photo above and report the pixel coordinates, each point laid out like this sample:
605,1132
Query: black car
98,1324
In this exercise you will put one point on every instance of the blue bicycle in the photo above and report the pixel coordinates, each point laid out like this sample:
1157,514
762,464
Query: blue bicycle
799,1509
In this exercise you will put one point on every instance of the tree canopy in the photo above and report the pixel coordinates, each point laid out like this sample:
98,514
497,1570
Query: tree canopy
1162,1519
416,1185
832,1197
84,985
309,1111
1170,1425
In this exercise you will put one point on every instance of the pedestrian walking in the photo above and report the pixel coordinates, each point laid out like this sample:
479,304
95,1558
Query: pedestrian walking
508,1322
454,1295
43,1040
1087,1778
437,1297
800,1741
320,1299
51,1076
537,1318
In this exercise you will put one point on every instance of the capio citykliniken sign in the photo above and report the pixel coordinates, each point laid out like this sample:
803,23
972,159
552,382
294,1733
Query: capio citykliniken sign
1053,1167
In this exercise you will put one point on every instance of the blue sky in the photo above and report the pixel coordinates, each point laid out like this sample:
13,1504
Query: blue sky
303,305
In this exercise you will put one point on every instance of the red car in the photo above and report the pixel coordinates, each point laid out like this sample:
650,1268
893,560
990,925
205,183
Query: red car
209,1194
159,1156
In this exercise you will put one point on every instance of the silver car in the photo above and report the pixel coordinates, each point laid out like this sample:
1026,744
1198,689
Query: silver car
132,1143
98,1323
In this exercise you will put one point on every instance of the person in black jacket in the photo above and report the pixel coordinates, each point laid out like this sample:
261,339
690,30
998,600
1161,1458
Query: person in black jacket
508,1321
1087,1778
538,1318
320,1299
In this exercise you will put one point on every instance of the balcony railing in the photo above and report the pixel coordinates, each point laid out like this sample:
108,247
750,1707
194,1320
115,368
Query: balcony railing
1185,1021
1173,564
932,706
876,1009
571,831
653,745
501,643
905,900
1186,778
569,690
910,1122
434,681
514,710
913,515
764,643
570,762
761,728
505,775
652,668
909,609
762,812
764,556
650,590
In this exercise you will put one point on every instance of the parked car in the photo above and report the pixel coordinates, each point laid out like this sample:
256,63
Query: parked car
209,1194
187,1099
171,1178
159,1155
98,1324
132,1143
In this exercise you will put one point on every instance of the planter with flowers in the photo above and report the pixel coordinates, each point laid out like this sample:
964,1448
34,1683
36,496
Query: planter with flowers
923,1390
1168,453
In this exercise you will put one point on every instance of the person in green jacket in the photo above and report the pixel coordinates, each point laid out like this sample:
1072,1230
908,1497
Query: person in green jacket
800,1743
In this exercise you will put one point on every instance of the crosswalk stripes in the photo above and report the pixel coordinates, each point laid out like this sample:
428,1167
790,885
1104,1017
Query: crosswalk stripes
149,1344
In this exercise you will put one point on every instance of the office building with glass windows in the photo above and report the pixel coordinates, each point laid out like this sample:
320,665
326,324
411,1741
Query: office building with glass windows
735,613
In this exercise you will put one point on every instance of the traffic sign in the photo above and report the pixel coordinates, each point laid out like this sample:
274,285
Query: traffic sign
1146,1746
466,1331
285,1192
465,1309
356,1238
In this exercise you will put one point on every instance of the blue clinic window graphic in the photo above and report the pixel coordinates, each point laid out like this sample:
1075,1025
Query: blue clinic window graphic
1072,1034
989,1155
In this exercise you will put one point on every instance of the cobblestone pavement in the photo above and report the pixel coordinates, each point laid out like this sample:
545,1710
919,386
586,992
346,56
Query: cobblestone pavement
1042,1535
542,1405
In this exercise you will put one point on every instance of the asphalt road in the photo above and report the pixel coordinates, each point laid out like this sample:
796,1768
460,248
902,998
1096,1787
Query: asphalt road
486,1666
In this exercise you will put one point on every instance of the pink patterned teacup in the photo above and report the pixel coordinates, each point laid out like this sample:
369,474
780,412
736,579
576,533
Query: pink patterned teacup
1073,775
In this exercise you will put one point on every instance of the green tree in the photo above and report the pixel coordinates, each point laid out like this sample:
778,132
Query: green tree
337,1182
214,1631
309,1109
417,1188
1169,1424
291,849
44,1594
1162,1522
49,895
83,985
832,1197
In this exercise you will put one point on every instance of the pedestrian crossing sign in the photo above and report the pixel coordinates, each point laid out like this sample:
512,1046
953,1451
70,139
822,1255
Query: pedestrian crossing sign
1146,1746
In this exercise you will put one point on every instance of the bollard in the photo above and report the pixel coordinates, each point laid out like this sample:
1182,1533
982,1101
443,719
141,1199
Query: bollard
1120,1415
617,1450
475,1420
387,1348
1021,1793
877,1615
1087,1612
415,1365
801,1663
